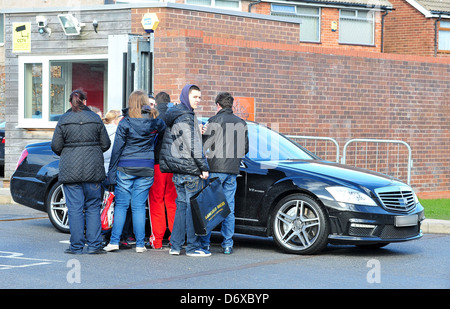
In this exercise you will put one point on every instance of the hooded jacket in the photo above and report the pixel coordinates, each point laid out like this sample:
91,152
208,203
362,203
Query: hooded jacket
80,138
134,146
181,149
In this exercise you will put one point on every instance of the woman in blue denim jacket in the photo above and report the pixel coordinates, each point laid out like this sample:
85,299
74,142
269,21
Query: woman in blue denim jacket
131,166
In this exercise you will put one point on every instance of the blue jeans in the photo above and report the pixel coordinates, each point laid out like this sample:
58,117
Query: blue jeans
84,201
183,227
130,190
229,189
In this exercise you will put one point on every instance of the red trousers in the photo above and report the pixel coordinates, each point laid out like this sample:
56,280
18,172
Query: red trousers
161,198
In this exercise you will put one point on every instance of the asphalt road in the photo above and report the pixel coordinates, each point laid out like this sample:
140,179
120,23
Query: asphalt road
31,257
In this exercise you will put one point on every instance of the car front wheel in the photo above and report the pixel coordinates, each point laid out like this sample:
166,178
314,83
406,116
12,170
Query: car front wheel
57,209
300,225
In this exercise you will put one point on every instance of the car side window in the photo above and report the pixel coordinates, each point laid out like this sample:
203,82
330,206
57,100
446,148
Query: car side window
268,145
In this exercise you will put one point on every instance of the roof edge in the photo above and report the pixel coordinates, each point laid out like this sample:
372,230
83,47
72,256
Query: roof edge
130,6
343,3
427,13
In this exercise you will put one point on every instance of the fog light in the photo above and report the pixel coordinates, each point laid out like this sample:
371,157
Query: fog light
361,229
364,226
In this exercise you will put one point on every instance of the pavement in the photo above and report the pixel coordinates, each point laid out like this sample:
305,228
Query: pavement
429,226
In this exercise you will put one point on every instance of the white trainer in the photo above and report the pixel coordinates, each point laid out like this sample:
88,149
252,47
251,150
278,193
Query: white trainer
199,253
110,247
140,249
174,252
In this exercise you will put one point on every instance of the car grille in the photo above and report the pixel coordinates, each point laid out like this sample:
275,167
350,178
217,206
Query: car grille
392,232
398,198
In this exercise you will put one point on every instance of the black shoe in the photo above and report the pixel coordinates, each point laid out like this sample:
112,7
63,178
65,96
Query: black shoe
69,251
98,251
124,245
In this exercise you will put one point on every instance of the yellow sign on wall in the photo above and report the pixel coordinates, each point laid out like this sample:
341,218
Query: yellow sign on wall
21,37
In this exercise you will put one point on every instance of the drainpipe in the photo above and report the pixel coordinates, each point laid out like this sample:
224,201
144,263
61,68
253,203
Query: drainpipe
252,4
382,30
436,34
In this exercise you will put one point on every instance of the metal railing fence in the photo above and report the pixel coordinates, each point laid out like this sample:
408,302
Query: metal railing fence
370,157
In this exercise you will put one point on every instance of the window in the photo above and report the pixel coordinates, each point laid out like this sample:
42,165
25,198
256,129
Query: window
33,90
444,36
310,17
356,27
227,4
46,82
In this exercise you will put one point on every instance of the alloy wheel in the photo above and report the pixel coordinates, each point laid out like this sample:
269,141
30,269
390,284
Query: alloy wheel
57,208
299,225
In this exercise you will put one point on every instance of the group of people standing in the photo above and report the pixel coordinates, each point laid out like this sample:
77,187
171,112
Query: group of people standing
160,154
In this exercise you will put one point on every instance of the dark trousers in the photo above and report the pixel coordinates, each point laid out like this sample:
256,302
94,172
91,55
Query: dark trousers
84,201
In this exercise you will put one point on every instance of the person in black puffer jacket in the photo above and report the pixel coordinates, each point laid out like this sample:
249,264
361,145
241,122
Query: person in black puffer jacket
182,154
80,138
181,150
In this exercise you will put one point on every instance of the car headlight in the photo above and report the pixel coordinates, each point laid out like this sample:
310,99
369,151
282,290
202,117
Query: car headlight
350,196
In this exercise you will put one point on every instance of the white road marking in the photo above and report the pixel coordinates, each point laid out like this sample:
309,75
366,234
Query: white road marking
5,255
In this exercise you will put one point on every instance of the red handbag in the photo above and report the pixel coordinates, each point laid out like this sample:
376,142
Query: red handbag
107,211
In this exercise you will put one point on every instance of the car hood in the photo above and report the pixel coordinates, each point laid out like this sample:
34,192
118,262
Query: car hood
339,174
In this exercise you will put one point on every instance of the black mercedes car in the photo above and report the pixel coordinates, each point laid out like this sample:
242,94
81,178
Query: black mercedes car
283,191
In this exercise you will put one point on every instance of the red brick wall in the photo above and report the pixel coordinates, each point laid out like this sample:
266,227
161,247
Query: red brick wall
408,31
311,90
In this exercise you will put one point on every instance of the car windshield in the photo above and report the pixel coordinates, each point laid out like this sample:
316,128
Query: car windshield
268,145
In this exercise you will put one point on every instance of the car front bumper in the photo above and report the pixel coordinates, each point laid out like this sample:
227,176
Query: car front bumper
356,224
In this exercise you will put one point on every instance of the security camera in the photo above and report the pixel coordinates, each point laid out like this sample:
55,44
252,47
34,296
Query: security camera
42,25
41,21
95,25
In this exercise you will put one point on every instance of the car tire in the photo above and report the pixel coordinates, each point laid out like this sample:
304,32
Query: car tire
57,208
300,225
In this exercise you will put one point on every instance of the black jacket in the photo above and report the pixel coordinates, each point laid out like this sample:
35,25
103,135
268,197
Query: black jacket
181,149
80,138
162,110
225,142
